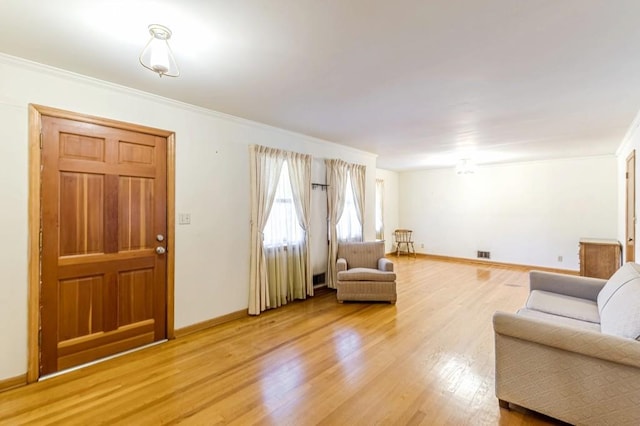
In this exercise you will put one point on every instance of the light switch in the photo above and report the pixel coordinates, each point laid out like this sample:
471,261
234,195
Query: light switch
184,218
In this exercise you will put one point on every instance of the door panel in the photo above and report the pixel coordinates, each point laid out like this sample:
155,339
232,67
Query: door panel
80,307
81,147
135,292
80,302
82,350
81,216
103,203
135,205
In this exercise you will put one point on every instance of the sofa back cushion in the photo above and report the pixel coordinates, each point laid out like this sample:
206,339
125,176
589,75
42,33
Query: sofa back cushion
361,255
619,303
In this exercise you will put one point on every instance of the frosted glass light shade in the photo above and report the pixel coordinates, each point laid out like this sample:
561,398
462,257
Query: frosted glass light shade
157,55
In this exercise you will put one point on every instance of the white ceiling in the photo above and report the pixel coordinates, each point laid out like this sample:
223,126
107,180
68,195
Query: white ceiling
421,83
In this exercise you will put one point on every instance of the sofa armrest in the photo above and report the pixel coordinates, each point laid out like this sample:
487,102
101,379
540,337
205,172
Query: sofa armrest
341,265
585,342
385,264
570,285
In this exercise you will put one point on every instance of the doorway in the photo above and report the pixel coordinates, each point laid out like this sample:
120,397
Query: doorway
101,220
630,244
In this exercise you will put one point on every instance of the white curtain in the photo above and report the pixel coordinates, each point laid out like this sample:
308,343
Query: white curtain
380,209
265,168
338,173
280,263
357,173
349,228
300,176
282,227
285,273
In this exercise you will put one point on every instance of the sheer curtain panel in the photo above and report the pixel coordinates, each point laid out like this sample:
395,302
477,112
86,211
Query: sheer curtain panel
283,272
357,173
265,167
300,176
337,182
346,188
349,228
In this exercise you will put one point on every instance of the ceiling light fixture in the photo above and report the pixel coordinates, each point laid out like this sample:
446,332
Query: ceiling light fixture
465,166
157,55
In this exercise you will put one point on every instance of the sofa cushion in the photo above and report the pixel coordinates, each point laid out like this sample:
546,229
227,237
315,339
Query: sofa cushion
619,303
563,305
557,319
366,274
629,271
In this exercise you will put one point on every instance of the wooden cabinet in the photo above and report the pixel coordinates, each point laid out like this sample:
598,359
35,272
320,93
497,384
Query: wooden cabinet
599,258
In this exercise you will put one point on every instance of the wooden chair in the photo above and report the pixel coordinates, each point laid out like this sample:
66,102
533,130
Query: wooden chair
404,236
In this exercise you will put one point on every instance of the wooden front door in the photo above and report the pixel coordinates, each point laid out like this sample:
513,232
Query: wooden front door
103,218
630,245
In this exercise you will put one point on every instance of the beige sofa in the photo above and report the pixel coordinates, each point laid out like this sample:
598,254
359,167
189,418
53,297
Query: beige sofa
364,274
572,352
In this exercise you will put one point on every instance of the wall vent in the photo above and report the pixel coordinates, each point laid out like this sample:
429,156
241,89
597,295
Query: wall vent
319,279
484,254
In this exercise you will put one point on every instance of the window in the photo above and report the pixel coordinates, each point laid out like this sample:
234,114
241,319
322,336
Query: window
282,227
349,227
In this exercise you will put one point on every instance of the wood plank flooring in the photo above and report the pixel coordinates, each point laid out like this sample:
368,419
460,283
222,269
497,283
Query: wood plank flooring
428,360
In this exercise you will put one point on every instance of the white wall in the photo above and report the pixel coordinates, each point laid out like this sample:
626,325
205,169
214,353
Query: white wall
318,241
391,205
212,183
523,213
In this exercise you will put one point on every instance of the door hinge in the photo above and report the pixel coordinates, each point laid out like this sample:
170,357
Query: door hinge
41,140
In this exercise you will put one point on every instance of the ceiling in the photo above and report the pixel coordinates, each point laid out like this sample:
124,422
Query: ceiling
421,83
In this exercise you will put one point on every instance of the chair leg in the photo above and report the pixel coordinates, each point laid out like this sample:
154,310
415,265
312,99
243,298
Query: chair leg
503,404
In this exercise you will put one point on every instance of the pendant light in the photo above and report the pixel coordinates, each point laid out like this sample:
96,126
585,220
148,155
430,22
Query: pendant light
157,55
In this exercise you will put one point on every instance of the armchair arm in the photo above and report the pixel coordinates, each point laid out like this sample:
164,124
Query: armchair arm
585,342
385,264
570,285
341,265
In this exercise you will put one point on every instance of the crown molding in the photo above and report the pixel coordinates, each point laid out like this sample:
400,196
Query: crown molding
69,75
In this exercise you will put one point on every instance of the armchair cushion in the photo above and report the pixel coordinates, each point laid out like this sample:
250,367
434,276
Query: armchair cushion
361,255
366,274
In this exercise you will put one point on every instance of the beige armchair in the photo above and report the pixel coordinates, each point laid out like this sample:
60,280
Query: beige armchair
364,274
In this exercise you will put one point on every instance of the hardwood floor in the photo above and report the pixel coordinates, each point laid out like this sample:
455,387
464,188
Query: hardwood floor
426,360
